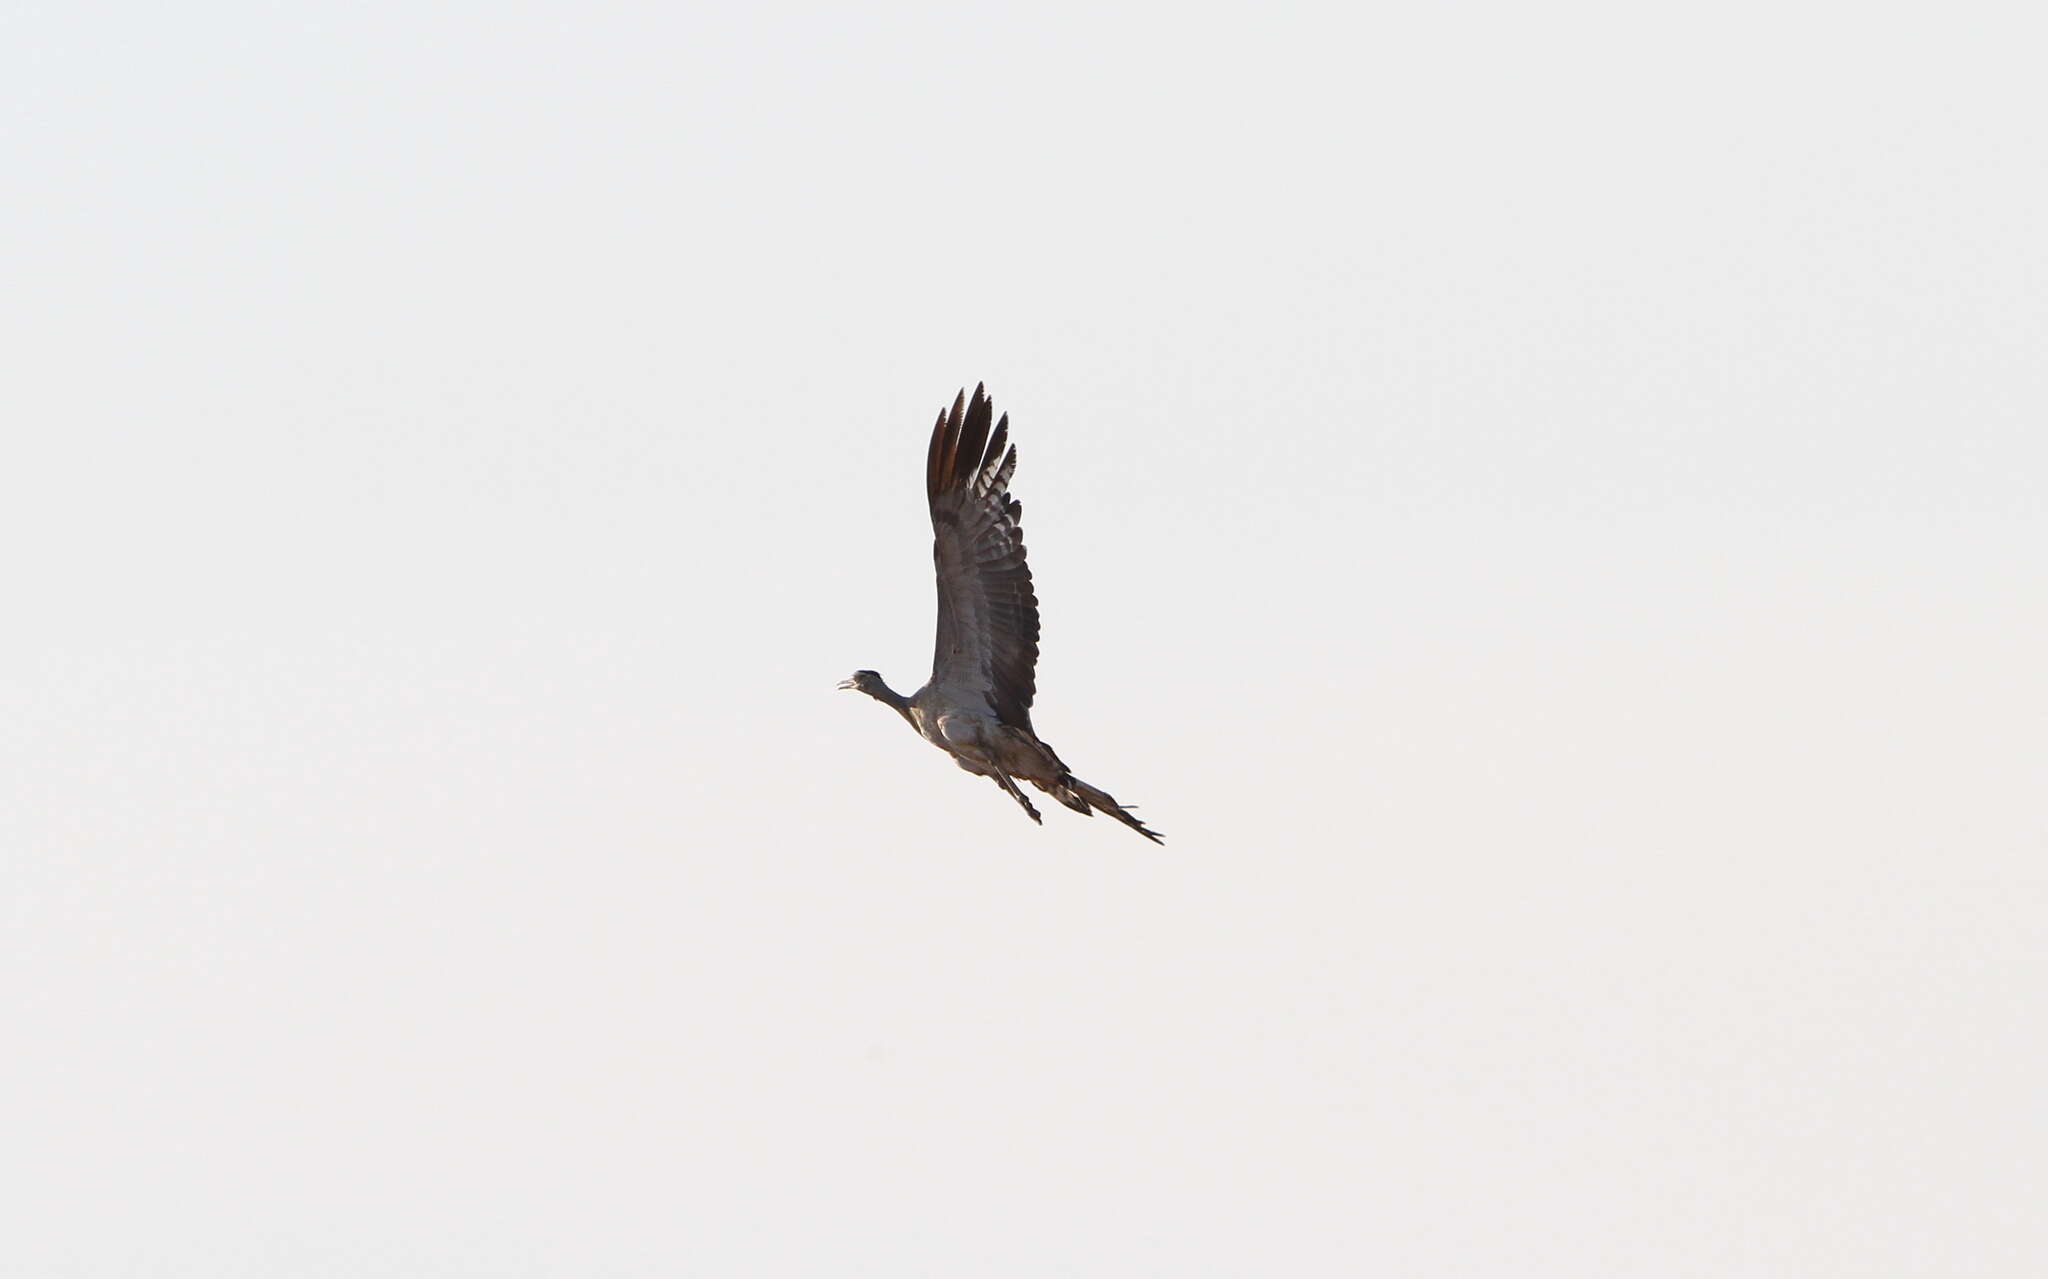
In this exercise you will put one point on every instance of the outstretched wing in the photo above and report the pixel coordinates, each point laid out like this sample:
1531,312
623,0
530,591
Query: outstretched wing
988,616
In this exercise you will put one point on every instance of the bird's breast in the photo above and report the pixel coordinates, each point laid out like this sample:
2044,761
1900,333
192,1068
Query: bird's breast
953,728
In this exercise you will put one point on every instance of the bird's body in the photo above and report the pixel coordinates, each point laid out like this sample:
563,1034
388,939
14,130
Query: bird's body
977,705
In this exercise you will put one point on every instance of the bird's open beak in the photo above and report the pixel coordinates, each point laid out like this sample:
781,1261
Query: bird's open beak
847,683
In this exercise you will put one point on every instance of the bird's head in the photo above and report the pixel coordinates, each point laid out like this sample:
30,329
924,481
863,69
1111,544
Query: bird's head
870,683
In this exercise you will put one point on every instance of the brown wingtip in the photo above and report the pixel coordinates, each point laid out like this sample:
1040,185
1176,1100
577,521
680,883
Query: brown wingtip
970,441
959,439
945,443
934,455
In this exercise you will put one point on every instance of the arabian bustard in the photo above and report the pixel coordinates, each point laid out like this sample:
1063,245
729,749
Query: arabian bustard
977,705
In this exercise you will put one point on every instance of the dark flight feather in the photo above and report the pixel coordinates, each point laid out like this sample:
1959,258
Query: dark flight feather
988,613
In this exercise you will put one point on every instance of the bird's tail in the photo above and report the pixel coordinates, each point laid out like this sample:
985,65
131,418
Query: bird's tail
1082,798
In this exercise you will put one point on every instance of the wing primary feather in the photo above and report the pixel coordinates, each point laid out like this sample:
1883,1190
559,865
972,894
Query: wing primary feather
934,460
992,459
973,438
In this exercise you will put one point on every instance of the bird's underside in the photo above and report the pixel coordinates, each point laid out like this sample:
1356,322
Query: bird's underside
977,705
1008,755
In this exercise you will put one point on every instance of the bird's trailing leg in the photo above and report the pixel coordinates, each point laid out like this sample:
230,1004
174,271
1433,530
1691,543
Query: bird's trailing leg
1003,780
1104,802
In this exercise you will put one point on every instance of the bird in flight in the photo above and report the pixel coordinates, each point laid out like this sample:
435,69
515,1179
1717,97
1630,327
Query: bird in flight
977,705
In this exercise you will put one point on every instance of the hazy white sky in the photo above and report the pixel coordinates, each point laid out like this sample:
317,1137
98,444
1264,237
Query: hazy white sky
1543,506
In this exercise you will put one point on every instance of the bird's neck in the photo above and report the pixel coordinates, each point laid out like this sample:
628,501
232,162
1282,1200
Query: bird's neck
892,699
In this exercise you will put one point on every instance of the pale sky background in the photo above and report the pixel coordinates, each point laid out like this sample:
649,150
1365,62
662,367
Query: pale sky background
1542,505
